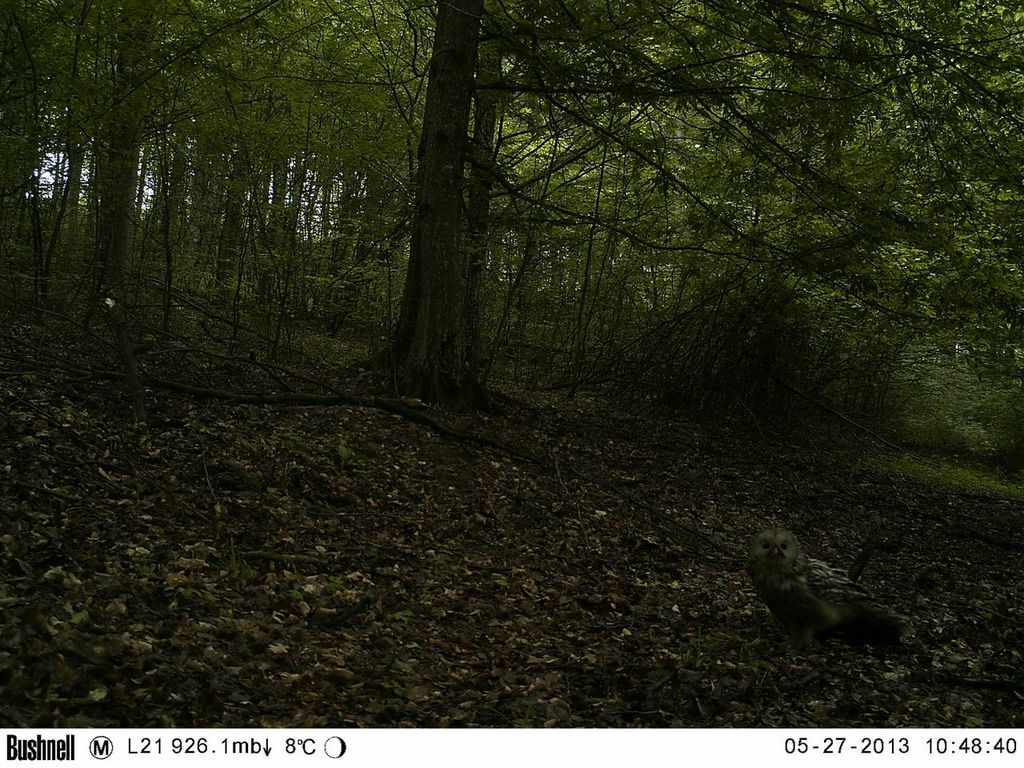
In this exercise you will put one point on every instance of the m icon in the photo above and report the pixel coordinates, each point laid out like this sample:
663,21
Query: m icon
101,747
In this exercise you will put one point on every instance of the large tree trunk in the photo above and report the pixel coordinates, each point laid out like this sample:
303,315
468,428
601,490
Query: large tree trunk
432,344
478,206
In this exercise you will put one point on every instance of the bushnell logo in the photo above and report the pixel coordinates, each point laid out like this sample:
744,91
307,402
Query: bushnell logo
29,750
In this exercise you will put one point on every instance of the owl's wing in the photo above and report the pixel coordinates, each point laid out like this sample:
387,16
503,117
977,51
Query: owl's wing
859,617
832,585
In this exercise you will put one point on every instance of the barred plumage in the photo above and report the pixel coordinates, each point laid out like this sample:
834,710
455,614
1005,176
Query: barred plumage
810,599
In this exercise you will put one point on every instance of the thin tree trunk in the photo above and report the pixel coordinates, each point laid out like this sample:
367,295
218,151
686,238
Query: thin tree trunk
72,198
172,196
119,169
119,176
231,230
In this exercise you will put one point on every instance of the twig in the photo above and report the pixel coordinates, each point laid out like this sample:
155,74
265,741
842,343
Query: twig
857,425
283,557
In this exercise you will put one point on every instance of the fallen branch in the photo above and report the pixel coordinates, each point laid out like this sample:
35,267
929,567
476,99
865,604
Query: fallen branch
390,405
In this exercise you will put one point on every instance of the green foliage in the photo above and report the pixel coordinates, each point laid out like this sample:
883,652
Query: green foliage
239,569
974,478
955,404
706,204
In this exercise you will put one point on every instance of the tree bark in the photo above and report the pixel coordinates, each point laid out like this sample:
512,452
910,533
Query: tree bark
119,157
173,163
230,242
119,175
431,345
478,206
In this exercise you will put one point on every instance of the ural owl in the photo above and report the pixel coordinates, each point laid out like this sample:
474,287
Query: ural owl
810,599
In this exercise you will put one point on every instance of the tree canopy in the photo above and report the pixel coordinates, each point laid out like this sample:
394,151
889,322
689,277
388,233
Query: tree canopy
699,202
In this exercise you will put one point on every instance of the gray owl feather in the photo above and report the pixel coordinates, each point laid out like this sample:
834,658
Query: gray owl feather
810,599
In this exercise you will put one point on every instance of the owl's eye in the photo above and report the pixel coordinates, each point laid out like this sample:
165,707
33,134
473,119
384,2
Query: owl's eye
784,545
764,545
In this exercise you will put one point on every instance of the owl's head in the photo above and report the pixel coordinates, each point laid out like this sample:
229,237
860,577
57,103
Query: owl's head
777,546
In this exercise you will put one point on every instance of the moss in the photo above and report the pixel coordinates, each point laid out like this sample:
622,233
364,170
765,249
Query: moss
970,478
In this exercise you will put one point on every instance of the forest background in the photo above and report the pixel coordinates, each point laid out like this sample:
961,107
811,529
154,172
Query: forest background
701,203
753,215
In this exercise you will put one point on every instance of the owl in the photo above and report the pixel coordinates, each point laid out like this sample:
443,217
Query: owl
810,599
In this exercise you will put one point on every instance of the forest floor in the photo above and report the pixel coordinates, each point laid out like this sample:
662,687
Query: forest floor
312,566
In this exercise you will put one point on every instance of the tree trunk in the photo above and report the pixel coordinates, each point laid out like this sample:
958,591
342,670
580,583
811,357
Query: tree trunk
172,199
230,242
73,194
119,163
119,175
478,206
431,345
